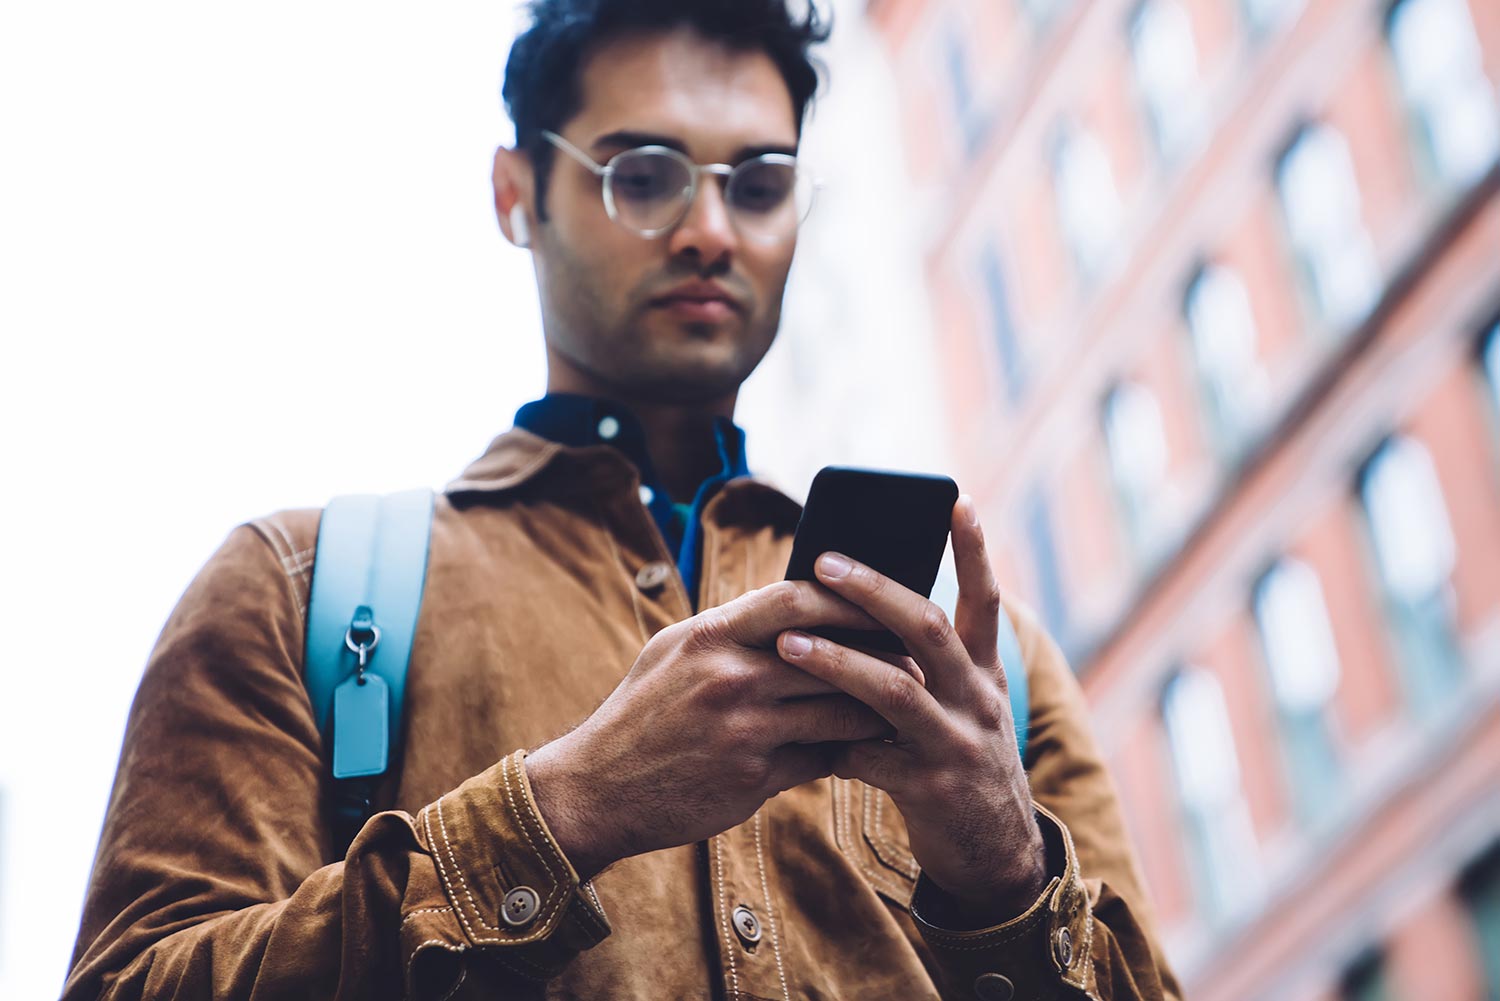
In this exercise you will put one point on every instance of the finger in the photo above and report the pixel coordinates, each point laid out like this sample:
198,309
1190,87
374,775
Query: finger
768,678
920,623
795,764
826,718
888,690
906,664
874,762
976,618
754,619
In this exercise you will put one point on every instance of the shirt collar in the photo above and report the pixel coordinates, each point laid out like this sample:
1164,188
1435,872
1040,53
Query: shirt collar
576,420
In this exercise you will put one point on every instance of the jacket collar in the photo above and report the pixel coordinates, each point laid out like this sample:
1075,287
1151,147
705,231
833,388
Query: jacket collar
517,457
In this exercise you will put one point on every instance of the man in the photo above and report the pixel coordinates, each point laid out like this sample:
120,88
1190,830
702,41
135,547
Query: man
599,793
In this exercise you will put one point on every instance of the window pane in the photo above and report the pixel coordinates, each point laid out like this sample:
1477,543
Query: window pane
1304,666
1087,203
1442,76
1012,366
1267,14
1048,571
1208,770
966,109
1320,200
1415,551
1208,781
1409,521
1299,644
1137,444
1166,71
1222,326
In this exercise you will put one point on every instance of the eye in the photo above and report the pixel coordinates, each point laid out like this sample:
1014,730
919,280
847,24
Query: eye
761,186
644,177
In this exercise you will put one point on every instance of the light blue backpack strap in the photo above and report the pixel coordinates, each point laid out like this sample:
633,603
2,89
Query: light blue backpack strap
370,570
1015,680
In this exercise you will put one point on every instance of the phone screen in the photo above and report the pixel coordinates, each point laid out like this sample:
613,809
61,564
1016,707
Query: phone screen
896,523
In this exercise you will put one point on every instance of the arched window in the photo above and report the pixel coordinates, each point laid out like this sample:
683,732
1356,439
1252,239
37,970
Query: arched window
1088,204
1303,662
1165,58
1136,440
1441,69
1320,199
1222,326
1207,771
1414,549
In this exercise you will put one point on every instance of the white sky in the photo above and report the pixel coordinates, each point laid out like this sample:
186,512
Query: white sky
247,261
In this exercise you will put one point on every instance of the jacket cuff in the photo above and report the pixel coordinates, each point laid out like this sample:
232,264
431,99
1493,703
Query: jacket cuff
1044,953
516,896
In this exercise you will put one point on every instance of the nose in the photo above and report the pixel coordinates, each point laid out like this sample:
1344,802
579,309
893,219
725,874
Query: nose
706,232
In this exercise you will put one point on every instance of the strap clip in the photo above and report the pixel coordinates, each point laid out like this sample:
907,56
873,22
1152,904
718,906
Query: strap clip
362,637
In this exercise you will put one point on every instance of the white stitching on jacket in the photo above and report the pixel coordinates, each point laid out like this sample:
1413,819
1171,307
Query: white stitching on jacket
734,977
765,890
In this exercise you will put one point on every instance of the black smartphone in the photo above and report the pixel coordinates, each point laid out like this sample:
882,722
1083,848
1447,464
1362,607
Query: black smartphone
896,523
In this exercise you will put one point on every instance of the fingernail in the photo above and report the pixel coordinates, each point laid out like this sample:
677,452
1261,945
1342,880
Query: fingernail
834,566
796,643
970,512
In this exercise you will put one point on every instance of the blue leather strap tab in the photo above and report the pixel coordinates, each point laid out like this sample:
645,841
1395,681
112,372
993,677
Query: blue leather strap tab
367,584
1015,680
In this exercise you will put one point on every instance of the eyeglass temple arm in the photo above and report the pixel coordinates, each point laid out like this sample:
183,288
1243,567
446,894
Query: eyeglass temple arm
573,151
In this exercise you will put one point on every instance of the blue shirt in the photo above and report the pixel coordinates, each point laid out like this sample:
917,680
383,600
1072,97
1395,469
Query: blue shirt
571,419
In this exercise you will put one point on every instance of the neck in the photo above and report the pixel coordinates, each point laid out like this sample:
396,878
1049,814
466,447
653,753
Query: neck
679,436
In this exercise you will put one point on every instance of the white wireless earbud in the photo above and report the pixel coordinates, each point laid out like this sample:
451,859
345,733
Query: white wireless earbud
520,232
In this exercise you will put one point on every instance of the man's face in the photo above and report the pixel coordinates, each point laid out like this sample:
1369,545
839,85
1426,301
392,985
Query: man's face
629,312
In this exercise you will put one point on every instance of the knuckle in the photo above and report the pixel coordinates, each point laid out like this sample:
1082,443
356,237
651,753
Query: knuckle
708,629
752,773
739,731
991,714
786,597
991,602
899,692
934,624
727,684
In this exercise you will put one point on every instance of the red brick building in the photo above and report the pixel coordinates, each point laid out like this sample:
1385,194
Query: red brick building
1218,293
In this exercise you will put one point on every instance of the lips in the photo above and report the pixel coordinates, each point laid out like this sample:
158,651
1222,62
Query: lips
708,298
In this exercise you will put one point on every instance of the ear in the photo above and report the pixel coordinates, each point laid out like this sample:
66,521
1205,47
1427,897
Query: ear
514,207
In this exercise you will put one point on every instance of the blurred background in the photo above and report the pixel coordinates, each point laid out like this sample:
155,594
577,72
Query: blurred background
1200,298
1216,289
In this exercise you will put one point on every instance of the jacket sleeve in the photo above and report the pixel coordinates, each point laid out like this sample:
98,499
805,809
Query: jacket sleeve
211,878
1091,933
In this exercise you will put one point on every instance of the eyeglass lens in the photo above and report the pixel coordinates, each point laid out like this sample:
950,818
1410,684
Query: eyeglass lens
651,191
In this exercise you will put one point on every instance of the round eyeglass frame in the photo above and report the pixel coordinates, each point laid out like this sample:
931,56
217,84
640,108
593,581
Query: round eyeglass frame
605,172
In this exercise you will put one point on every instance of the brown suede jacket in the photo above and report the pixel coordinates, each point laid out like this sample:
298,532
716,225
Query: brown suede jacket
215,877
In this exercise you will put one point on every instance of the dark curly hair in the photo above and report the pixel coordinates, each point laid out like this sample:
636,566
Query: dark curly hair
541,89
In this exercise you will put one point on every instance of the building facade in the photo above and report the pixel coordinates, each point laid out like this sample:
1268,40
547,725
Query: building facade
1217,292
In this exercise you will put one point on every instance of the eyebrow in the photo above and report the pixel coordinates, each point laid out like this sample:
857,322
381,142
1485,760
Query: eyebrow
624,139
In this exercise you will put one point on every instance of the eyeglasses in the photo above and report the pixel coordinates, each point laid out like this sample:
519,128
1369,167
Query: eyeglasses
650,189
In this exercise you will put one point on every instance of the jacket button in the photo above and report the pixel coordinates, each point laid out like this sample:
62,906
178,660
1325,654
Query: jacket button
653,575
1062,946
994,987
746,925
520,907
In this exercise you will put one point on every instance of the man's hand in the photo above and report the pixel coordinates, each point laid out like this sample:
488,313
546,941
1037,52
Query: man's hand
708,725
952,768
